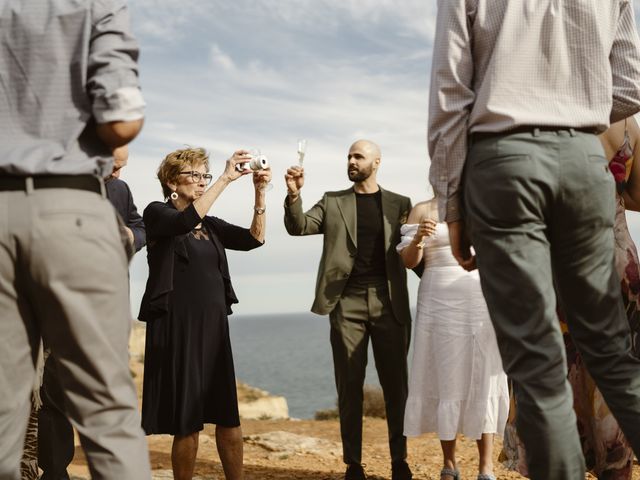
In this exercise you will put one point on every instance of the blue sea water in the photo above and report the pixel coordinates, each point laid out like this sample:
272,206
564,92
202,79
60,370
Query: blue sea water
289,355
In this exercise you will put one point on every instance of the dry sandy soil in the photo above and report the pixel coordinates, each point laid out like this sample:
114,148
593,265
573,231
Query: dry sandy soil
262,464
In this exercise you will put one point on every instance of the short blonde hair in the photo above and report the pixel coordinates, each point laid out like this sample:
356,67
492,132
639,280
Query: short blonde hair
174,163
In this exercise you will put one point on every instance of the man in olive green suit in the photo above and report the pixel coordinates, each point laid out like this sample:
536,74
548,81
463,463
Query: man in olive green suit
362,286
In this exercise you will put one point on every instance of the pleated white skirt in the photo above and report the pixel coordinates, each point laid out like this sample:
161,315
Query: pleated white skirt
456,381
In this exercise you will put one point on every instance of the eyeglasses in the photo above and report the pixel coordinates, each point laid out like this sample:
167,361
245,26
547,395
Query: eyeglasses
196,176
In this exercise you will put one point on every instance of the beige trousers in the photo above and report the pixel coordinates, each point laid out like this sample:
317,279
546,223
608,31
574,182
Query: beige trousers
63,276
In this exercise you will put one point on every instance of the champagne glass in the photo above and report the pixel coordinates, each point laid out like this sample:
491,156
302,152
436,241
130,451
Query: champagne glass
302,148
432,214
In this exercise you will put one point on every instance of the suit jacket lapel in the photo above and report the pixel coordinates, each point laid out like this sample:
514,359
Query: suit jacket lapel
388,210
347,206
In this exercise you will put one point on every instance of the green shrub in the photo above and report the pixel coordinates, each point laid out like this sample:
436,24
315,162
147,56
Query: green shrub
373,402
328,414
373,405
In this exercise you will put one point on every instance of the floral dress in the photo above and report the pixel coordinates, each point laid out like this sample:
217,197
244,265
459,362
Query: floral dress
607,453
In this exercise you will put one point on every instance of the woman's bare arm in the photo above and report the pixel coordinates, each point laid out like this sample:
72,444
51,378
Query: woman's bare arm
631,194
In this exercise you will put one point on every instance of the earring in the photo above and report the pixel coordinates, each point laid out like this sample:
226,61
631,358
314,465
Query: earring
174,196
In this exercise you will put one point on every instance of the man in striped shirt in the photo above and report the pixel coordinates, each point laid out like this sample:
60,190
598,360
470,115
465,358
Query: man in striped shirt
519,90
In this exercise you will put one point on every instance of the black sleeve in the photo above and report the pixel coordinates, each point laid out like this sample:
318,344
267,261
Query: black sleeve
134,221
232,236
163,220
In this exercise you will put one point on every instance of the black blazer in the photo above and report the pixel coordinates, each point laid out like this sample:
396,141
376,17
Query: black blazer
167,229
120,197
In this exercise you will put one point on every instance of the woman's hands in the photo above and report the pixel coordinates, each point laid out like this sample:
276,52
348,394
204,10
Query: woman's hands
208,198
426,228
230,172
261,178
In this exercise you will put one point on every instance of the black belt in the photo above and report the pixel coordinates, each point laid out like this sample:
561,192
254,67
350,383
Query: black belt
533,130
75,182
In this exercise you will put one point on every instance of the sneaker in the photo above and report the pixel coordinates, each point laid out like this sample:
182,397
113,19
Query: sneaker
355,472
400,471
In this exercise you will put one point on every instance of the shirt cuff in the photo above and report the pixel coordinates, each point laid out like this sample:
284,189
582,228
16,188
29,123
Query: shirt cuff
288,203
124,105
138,239
452,211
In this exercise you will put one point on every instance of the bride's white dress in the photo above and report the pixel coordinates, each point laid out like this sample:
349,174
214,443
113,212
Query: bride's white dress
456,381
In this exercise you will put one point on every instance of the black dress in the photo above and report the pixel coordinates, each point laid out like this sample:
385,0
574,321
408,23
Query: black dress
189,377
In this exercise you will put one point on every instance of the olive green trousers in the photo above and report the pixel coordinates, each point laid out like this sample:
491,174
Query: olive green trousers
539,208
360,315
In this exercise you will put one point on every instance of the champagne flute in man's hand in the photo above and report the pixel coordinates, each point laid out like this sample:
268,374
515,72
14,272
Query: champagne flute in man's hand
302,148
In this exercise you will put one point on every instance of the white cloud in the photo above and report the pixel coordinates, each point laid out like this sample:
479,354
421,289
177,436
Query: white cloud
263,73
219,59
166,18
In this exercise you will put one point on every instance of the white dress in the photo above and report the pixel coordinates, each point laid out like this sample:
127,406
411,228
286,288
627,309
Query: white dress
456,381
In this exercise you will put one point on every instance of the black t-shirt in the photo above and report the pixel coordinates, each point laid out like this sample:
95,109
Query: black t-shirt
369,267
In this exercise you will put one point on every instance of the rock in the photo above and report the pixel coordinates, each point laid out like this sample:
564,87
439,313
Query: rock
283,444
256,404
155,475
168,475
268,408
136,341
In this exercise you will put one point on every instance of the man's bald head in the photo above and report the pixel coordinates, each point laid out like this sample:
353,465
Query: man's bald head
363,160
368,146
120,159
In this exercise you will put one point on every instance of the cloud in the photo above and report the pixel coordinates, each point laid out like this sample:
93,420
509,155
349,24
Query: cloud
263,73
221,60
247,19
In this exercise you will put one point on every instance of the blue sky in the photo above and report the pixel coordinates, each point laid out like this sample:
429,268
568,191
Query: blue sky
228,74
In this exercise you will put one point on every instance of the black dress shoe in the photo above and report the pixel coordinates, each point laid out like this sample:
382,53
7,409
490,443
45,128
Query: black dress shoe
400,471
355,472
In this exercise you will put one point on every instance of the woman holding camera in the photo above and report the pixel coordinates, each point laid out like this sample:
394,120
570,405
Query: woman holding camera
189,377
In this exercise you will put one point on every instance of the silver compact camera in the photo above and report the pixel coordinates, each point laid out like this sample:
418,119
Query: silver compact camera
256,162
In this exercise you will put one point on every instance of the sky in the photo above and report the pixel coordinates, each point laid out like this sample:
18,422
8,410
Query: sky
261,74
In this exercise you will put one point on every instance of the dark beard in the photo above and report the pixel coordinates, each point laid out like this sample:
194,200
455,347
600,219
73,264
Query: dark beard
359,175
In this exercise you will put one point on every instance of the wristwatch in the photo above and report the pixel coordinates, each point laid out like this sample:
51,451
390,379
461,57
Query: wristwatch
259,210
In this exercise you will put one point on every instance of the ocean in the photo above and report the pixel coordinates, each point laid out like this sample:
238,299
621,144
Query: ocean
289,355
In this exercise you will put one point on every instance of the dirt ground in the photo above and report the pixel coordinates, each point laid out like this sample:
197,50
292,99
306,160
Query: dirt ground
424,453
